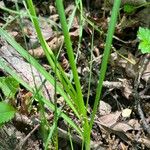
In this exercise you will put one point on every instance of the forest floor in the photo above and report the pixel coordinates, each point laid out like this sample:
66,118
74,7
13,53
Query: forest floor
123,118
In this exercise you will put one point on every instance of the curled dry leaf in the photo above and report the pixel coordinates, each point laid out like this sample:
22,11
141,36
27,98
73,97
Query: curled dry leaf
110,119
134,124
145,141
54,45
127,88
123,146
124,136
126,112
54,17
121,126
64,62
37,52
104,108
25,101
69,9
30,32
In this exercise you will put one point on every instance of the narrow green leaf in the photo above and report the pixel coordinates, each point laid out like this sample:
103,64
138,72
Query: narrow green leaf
109,39
9,70
34,62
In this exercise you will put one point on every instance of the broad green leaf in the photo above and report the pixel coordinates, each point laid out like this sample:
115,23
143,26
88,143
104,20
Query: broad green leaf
7,112
9,86
144,36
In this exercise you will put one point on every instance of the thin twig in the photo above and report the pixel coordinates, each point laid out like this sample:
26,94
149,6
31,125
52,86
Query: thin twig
136,94
20,145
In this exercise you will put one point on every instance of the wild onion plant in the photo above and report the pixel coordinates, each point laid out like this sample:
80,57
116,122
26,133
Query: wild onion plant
72,95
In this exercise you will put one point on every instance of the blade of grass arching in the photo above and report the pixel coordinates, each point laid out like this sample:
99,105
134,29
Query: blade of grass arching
33,62
71,17
70,21
55,104
49,54
86,131
10,10
10,21
51,132
81,23
106,54
44,125
80,33
61,13
10,71
21,25
70,139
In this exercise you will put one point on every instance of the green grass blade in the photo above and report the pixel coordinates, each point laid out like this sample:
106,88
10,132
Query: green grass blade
10,71
103,69
70,53
33,62
48,52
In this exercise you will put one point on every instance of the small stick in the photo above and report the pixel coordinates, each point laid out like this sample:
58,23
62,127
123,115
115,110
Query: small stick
136,94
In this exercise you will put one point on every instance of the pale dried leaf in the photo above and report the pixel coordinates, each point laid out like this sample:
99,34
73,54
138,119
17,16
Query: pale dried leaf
126,112
121,126
29,30
110,119
127,88
134,124
104,108
54,45
124,136
145,141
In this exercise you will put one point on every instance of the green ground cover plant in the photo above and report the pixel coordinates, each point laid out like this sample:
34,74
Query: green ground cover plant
7,112
128,8
144,37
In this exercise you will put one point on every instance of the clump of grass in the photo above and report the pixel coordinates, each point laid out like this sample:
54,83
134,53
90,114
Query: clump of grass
72,96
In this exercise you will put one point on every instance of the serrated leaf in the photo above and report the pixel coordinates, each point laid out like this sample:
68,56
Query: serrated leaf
7,112
144,36
144,47
9,86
